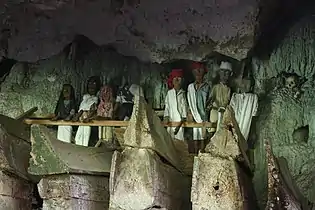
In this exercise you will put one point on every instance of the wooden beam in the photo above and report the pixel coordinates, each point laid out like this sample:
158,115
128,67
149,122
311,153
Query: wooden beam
112,123
27,113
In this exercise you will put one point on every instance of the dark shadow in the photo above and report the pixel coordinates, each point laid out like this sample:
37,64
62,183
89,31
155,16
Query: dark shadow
274,24
5,66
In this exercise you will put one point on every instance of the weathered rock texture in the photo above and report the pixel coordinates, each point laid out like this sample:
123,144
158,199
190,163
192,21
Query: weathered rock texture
69,191
16,185
282,191
15,192
40,84
50,156
287,122
152,31
73,177
218,180
146,174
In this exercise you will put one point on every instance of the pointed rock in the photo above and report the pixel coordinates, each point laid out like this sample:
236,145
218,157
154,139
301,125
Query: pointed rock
221,176
146,131
282,191
145,174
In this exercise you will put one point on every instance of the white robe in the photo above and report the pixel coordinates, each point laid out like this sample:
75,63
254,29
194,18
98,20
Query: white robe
191,96
175,109
64,133
82,136
245,106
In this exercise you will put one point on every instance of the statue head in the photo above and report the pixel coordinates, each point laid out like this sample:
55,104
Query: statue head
225,71
67,92
93,85
175,79
198,70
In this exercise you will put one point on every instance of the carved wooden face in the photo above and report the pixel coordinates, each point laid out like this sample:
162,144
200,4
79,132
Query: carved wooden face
198,73
92,85
66,92
224,75
177,82
290,82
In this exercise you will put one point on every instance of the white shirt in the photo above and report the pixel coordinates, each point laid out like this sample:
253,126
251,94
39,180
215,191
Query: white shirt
175,105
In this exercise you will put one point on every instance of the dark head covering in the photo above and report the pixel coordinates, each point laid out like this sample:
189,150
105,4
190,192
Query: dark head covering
61,109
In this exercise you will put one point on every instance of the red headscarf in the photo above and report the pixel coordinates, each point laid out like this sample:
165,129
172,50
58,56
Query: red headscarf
197,65
174,73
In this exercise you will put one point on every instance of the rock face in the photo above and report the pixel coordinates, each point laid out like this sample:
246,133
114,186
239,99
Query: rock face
39,84
282,191
287,122
73,177
219,182
74,191
16,185
152,31
146,174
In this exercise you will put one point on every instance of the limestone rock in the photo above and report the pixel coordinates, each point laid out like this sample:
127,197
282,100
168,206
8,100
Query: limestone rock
146,131
15,192
280,115
221,175
148,172
50,156
40,83
69,191
281,195
141,180
148,30
16,185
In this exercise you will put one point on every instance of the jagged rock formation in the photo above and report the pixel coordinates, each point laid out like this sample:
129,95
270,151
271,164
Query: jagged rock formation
16,185
39,84
282,191
287,122
73,177
219,179
152,31
147,173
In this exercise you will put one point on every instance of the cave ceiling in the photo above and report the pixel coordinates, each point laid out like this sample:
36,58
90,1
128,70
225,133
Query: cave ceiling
151,30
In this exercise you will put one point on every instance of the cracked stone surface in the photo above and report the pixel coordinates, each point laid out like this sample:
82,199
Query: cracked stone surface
150,30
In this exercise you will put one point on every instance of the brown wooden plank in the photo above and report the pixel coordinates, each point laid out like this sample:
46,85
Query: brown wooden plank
15,127
112,123
27,113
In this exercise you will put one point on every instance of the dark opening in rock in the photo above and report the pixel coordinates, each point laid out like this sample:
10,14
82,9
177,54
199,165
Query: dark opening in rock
301,134
216,187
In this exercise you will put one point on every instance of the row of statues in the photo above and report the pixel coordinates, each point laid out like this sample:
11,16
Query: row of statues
201,103
98,103
205,103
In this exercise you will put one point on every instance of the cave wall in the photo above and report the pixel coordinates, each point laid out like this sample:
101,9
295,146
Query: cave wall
40,84
280,114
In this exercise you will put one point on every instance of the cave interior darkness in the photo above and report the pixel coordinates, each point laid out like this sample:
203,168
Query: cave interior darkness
274,20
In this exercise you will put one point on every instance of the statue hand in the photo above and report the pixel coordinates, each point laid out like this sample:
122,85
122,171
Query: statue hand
166,120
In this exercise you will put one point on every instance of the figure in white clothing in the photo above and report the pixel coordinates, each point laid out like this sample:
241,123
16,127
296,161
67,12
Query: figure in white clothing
87,111
245,105
175,104
65,110
197,95
220,95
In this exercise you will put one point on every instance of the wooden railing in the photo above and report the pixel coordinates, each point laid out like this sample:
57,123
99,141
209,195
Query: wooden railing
113,123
